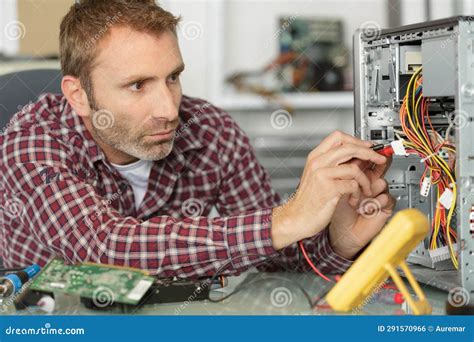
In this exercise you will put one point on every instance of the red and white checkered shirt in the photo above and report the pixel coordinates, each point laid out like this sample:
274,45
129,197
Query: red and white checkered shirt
61,197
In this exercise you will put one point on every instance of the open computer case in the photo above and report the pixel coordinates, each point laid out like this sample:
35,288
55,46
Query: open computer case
414,89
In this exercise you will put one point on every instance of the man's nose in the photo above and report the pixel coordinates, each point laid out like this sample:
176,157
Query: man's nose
165,107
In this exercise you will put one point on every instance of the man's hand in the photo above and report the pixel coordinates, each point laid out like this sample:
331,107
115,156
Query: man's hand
357,221
327,178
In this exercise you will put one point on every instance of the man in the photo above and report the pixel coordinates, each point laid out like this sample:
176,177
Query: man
123,169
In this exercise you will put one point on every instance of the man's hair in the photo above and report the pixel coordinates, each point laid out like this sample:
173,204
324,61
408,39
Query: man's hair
89,21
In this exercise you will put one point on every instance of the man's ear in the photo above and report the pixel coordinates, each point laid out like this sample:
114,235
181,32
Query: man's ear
75,95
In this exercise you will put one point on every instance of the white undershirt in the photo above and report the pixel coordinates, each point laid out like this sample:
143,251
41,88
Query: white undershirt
137,174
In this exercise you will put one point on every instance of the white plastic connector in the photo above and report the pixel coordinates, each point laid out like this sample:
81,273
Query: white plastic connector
446,199
442,253
47,304
398,148
425,187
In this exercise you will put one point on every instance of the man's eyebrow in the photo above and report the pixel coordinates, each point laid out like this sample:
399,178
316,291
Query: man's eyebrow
179,69
138,77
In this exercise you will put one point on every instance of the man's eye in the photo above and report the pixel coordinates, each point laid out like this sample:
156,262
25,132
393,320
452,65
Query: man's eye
174,78
137,86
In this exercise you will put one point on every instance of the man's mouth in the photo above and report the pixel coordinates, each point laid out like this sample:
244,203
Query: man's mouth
162,136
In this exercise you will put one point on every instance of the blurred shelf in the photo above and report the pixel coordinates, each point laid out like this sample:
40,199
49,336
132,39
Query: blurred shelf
7,67
285,162
285,184
321,100
287,143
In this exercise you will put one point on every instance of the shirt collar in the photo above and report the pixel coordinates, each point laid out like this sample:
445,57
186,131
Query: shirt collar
95,153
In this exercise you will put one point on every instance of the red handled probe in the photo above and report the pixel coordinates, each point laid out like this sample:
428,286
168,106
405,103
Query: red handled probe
385,150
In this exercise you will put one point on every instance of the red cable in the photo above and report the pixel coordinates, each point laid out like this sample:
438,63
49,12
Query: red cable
311,264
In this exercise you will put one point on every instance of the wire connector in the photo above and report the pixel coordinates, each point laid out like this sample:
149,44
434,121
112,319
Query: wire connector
385,150
425,187
442,253
398,148
446,199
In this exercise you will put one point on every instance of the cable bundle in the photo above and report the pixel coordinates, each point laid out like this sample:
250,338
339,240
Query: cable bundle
426,142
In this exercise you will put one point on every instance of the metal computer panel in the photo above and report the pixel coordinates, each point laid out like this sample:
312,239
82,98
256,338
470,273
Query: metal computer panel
383,63
465,148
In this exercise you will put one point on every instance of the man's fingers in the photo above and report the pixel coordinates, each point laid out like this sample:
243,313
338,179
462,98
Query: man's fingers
372,207
354,201
347,172
336,139
348,187
347,152
378,171
387,201
379,186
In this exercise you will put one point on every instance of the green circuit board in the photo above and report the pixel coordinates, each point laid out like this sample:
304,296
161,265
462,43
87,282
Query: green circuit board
104,284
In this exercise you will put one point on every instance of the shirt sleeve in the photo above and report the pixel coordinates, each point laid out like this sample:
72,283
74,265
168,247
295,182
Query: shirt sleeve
69,219
247,187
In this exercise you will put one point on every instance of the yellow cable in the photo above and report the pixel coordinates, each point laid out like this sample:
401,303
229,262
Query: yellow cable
424,149
409,115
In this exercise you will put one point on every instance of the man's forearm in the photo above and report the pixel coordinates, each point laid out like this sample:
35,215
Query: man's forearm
320,252
285,229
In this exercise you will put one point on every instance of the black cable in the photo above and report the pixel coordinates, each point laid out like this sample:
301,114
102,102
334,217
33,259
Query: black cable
246,285
4,271
223,267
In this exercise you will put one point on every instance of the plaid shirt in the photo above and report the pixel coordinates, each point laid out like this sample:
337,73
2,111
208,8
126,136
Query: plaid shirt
59,196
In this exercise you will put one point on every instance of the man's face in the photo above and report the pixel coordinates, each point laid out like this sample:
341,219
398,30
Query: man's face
137,93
